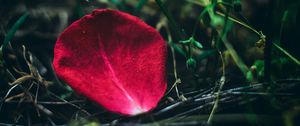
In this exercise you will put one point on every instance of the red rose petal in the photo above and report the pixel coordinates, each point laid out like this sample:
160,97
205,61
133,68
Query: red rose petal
114,59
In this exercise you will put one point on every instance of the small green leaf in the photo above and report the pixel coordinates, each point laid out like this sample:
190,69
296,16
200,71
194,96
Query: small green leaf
139,6
191,63
198,44
249,76
259,64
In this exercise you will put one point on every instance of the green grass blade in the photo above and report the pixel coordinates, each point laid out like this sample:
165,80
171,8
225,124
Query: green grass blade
287,54
13,30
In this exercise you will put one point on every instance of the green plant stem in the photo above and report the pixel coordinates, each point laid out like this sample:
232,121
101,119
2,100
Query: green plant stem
230,18
202,14
286,53
224,30
240,23
177,80
222,82
200,17
171,20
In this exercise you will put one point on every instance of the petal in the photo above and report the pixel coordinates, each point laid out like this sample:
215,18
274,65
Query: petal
115,59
